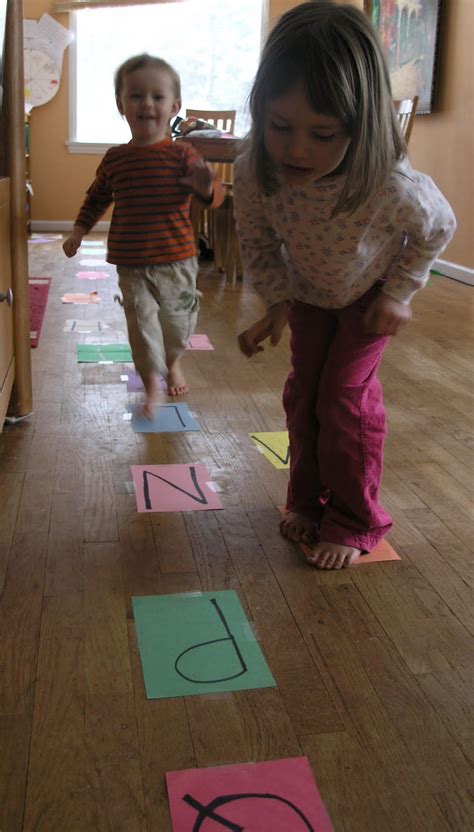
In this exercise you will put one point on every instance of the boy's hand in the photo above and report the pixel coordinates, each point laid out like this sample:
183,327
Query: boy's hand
386,316
200,181
270,326
72,243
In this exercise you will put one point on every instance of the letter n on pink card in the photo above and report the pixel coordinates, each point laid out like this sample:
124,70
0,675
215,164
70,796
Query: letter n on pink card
184,487
276,796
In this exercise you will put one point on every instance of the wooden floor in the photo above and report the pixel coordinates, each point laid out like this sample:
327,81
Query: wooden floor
373,664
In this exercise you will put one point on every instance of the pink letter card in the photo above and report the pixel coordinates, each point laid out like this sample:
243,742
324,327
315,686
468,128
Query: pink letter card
199,342
184,487
276,796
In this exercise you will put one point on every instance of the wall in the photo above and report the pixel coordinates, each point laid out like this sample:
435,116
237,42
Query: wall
441,143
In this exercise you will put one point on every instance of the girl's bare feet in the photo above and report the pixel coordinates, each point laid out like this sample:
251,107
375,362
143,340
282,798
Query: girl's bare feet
332,556
299,527
177,385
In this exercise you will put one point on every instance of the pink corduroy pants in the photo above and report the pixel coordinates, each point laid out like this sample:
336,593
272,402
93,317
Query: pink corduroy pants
336,423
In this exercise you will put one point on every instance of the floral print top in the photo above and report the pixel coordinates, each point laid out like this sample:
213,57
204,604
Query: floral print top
292,248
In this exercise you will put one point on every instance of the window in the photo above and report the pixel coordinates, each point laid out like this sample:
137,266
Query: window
213,44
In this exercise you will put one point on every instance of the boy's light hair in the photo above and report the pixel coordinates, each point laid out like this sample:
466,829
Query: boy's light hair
334,51
141,61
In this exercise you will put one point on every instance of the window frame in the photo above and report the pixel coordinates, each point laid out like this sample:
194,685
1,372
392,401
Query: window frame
100,148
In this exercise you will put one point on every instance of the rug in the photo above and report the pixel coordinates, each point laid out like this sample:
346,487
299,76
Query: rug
38,288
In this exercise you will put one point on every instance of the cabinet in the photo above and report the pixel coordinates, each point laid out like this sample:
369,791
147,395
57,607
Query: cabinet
15,358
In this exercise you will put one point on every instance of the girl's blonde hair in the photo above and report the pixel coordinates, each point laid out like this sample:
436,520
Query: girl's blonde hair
141,61
334,51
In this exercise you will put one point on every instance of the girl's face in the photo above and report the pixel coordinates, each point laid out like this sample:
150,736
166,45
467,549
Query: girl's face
148,101
303,145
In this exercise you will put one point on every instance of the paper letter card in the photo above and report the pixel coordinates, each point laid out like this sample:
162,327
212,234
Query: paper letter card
183,487
274,446
79,297
135,384
98,353
92,275
199,342
84,327
167,418
275,796
196,643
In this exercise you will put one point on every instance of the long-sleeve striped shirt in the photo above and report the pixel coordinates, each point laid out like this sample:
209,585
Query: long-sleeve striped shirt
151,217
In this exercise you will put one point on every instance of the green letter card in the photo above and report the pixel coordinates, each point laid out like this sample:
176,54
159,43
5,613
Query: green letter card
196,643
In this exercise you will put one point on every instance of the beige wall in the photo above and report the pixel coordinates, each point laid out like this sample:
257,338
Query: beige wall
441,144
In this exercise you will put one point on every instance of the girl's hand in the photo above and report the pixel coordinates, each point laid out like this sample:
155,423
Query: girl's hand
200,181
386,316
72,243
270,326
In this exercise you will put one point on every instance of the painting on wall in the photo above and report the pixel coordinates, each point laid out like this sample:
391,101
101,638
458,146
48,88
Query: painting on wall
409,32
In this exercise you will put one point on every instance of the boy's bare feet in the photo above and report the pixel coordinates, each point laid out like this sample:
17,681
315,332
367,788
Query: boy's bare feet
177,385
332,556
299,527
153,395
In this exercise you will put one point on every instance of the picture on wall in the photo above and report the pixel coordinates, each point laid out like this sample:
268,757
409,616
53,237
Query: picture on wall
409,32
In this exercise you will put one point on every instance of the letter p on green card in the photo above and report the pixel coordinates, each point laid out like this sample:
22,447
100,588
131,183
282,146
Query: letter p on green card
197,643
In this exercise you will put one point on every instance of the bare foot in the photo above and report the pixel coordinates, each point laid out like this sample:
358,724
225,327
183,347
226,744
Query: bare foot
154,395
299,527
332,556
176,381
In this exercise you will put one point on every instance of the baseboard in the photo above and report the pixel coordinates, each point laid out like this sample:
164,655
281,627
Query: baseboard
454,271
63,225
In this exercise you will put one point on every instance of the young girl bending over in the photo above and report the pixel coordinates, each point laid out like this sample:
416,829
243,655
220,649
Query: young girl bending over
337,233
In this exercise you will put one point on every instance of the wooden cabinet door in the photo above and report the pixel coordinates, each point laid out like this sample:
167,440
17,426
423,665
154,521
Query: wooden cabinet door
7,362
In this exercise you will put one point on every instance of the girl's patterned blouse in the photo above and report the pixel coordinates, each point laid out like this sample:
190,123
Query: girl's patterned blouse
292,248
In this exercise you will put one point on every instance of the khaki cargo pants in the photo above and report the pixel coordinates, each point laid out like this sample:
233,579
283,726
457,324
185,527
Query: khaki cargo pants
161,305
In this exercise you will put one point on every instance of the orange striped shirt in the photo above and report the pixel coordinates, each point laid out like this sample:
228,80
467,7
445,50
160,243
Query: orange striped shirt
151,217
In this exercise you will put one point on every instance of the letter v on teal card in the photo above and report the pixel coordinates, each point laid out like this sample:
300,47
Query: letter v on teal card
196,643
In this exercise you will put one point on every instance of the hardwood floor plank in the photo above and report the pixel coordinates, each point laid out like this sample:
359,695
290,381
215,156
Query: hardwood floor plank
15,733
306,699
107,663
20,612
457,806
365,790
100,510
165,742
57,762
65,563
174,549
114,799
340,761
448,546
247,726
438,760
10,493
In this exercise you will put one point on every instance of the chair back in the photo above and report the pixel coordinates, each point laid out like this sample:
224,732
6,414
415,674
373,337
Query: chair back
406,111
222,119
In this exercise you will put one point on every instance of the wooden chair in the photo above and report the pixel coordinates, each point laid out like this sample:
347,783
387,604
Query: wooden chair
406,111
219,224
222,119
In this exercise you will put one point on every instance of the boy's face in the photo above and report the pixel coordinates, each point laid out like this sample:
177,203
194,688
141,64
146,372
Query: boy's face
303,145
148,102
